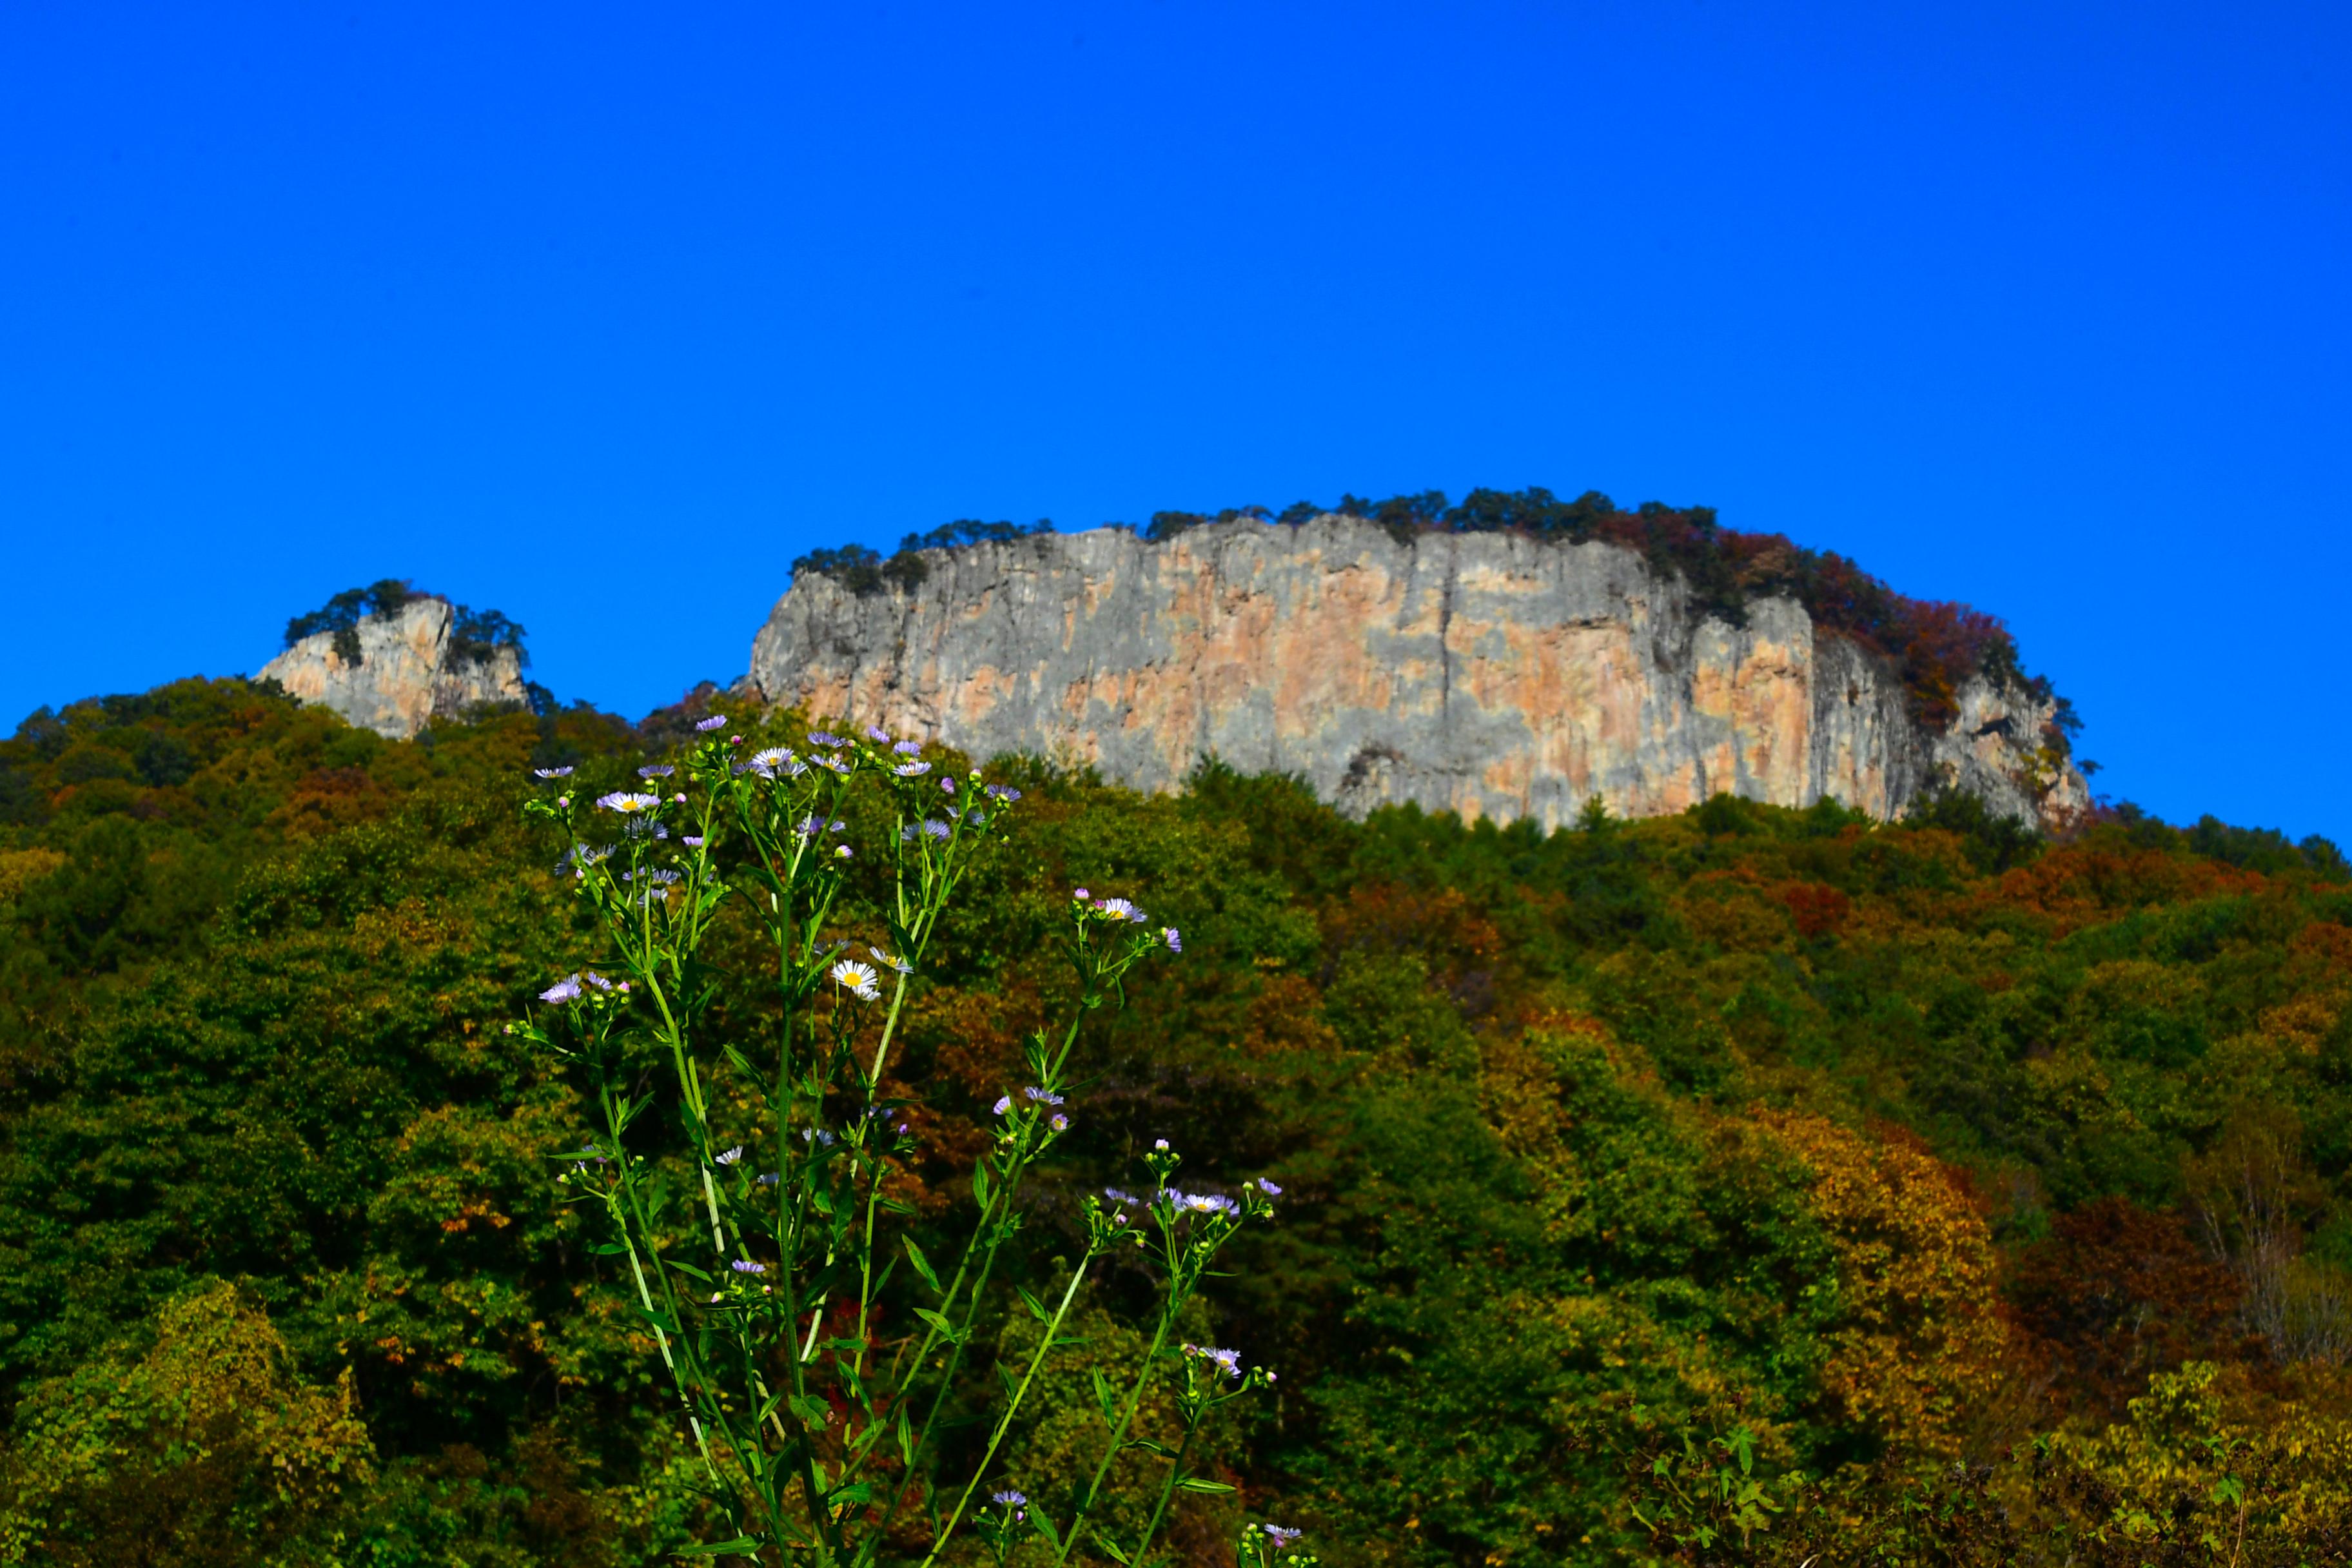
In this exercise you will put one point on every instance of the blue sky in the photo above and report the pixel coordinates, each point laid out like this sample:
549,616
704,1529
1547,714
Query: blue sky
600,315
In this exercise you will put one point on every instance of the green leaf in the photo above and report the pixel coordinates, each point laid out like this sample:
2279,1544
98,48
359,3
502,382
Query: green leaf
1104,1401
1045,1527
687,1268
1195,1484
947,1330
1035,1309
741,1544
922,1265
856,1491
906,1439
980,1184
1117,1552
609,1249
1149,1446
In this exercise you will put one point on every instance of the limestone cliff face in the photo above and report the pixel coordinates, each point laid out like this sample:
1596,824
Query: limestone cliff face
1488,674
406,673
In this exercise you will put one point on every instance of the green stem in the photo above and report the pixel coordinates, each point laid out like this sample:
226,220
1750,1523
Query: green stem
1004,1422
1167,1491
1119,1433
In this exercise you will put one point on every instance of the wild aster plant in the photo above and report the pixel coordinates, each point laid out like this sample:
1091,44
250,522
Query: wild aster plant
817,1437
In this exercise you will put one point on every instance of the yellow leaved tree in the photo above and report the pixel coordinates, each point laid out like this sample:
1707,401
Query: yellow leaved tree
204,1448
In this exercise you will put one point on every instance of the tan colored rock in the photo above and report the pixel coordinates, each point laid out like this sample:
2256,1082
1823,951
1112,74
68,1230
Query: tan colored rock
1489,674
405,674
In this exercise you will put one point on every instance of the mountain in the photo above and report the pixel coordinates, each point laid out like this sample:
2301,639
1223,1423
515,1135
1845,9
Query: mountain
394,669
1496,674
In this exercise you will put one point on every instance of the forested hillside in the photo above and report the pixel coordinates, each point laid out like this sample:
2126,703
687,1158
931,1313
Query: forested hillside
1747,1184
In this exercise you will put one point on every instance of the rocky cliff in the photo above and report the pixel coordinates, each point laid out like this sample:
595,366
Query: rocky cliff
1491,674
406,673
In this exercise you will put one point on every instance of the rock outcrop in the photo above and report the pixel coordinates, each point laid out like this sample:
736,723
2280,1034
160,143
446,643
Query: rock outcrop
406,672
1490,674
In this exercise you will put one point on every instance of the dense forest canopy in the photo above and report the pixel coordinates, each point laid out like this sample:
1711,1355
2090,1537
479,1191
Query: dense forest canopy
1936,646
1920,1192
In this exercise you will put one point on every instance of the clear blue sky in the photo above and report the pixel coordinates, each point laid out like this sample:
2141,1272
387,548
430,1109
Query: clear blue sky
599,315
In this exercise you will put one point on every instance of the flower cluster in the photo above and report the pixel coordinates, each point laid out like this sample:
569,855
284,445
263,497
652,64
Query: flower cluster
568,988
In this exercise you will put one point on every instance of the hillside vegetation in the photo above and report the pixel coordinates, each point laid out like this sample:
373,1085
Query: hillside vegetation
1750,1185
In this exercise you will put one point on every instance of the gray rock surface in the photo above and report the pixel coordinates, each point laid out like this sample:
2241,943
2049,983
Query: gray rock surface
405,674
1492,675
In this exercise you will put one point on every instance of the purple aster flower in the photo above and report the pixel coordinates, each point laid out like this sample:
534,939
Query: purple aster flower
598,981
914,770
1004,1105
1229,1360
767,1178
730,1156
626,801
878,735
820,737
947,784
833,761
656,770
1081,895
1009,1500
1043,1098
907,748
1004,791
562,991
1060,1124
553,772
745,1266
1268,1188
1173,938
1282,1537
1120,909
715,721
691,841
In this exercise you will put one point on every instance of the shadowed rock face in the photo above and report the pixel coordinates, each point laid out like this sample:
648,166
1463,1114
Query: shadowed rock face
405,675
1488,674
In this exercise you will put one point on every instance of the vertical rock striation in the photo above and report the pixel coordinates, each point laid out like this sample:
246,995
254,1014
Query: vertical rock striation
1489,674
405,674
